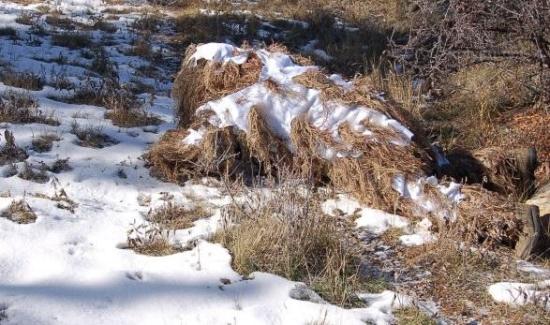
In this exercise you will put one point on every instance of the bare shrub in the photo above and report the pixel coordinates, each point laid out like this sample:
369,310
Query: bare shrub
447,36
285,232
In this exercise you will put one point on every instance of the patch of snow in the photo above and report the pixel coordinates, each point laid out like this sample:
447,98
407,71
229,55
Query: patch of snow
519,294
194,137
378,222
220,52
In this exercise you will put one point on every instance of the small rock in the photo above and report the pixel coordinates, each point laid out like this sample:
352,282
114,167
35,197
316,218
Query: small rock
303,293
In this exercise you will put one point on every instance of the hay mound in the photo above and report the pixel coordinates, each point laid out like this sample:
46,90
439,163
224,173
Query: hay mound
249,113
200,80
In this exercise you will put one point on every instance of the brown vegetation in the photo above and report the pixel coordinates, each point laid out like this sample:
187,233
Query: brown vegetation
19,212
285,232
10,152
21,108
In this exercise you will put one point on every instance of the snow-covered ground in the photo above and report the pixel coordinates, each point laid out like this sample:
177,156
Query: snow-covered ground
73,267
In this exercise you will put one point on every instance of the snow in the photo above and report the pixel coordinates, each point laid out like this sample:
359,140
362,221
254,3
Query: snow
280,109
519,294
377,222
219,52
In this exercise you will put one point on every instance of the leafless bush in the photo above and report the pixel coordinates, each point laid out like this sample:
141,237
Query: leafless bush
449,35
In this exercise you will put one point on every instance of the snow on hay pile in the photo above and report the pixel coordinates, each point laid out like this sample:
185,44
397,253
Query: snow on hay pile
249,112
246,112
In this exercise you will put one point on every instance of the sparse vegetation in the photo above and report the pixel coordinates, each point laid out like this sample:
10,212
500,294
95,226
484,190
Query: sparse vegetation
173,216
286,233
18,107
44,142
151,240
91,137
25,80
19,212
72,40
9,152
34,174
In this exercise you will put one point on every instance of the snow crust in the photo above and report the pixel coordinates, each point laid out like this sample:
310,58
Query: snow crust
280,109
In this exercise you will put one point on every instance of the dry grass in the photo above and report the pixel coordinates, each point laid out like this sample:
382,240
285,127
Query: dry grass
44,142
25,18
459,279
60,21
25,80
9,152
285,232
34,174
124,110
19,212
16,107
91,137
260,152
412,316
200,82
60,165
72,40
150,240
173,216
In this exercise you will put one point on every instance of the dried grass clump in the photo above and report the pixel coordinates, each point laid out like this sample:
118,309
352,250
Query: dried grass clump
19,212
285,232
72,40
34,174
124,110
150,240
44,142
486,219
173,216
21,108
203,81
367,171
9,152
217,155
91,137
24,80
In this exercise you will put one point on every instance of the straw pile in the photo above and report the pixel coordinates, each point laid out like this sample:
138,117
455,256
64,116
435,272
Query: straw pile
366,169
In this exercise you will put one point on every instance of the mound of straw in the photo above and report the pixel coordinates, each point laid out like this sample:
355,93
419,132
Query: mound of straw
202,81
366,172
